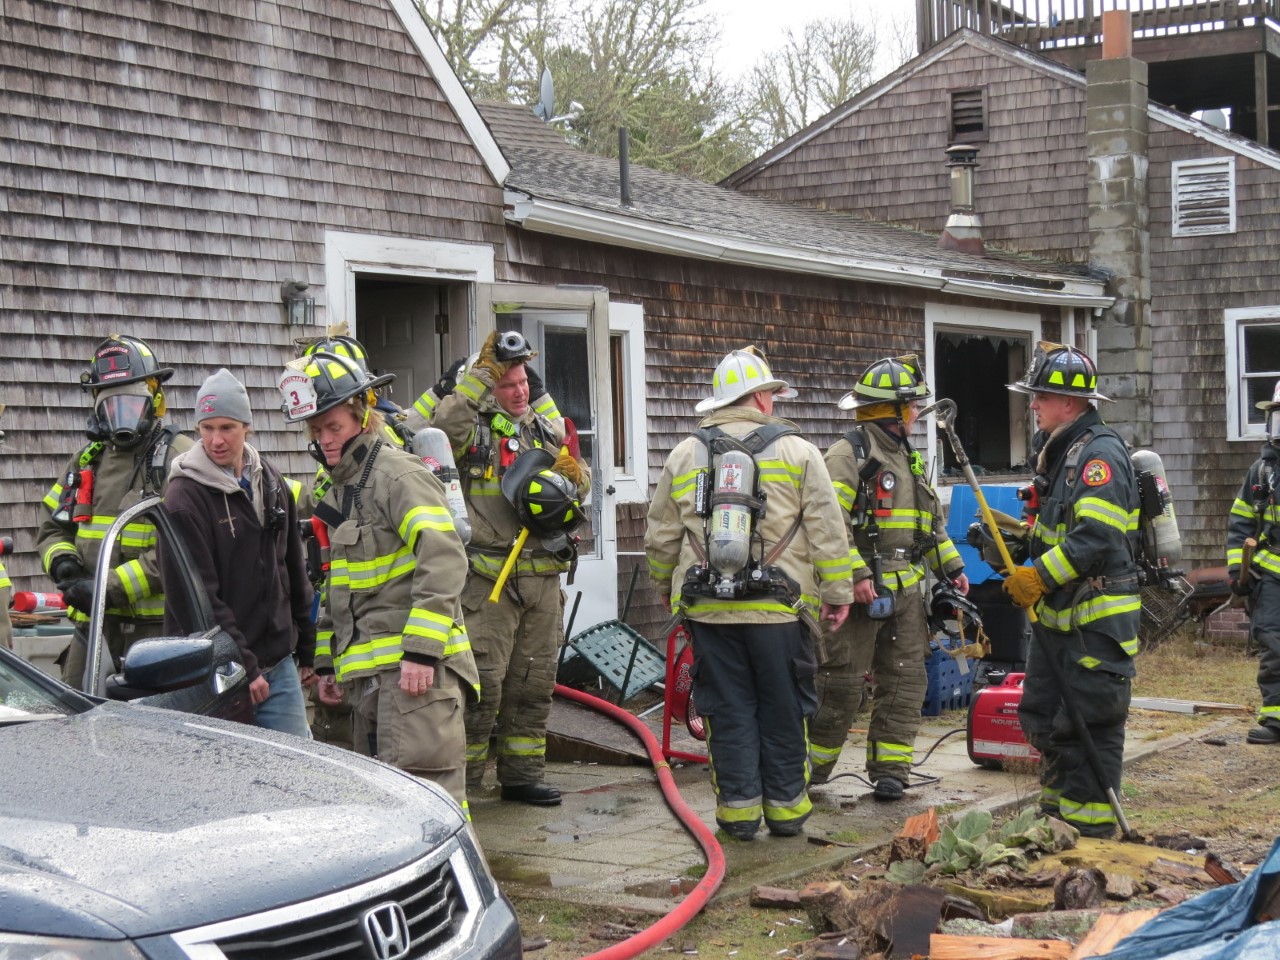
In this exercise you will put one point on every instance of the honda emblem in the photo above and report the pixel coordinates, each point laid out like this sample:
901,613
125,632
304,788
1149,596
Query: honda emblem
386,931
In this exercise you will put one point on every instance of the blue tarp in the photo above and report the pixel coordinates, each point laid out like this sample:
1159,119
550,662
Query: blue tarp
1217,925
964,511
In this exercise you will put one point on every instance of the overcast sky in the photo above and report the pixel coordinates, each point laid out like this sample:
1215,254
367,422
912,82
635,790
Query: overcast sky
753,27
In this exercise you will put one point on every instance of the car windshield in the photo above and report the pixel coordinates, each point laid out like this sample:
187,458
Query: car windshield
23,699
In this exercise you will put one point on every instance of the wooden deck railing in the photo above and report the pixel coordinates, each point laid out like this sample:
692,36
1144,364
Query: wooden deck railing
1056,23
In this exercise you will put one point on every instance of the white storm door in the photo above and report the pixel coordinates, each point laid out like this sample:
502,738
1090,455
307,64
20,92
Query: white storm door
569,327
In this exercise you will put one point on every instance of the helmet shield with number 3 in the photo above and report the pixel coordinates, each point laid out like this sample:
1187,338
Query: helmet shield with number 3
314,384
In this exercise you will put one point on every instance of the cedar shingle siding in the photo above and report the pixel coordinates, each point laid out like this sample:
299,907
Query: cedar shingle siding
164,166
877,158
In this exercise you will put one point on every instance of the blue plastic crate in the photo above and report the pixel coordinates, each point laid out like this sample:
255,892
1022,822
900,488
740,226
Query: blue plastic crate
950,685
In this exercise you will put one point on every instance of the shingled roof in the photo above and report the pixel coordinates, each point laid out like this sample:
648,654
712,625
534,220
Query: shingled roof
556,188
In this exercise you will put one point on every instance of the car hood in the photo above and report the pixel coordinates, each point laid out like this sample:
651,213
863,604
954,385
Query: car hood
136,821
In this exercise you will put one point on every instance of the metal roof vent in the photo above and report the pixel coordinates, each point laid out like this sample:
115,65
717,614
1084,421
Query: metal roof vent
963,231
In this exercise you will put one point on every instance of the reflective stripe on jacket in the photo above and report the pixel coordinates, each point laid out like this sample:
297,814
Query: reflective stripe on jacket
795,482
1084,539
397,569
120,479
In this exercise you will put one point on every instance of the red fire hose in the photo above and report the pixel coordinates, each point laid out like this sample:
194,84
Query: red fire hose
690,906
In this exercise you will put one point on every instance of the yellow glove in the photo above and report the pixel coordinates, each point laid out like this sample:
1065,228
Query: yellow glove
1025,586
489,362
568,468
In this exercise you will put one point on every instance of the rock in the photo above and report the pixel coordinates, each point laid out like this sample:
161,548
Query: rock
1169,895
1121,886
1079,889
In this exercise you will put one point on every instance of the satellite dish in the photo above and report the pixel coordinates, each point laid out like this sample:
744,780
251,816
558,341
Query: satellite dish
544,109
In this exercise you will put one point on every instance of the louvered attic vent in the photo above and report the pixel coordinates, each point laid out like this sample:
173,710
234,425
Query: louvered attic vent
1204,196
969,115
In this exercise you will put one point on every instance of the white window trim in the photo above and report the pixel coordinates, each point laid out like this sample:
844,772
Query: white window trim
347,255
1234,320
1177,169
952,317
632,481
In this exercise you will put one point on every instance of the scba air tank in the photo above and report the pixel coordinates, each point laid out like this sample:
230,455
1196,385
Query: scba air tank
432,445
1158,525
730,522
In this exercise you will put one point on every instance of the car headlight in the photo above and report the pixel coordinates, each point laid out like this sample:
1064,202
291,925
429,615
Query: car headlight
479,864
17,946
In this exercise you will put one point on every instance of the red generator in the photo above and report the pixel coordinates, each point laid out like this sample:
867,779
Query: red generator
994,734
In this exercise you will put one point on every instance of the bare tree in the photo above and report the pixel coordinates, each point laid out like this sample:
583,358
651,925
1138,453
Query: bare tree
821,67
640,64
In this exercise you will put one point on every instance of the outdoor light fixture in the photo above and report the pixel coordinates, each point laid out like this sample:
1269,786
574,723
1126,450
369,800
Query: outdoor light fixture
299,309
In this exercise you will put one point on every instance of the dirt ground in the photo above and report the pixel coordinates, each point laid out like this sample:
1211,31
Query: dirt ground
1215,793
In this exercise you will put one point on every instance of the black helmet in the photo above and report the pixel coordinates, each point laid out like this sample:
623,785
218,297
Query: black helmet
891,380
342,346
546,502
320,381
949,604
512,347
1058,368
122,359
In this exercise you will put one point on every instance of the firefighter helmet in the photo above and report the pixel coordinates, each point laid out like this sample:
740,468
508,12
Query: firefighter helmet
122,359
740,373
1058,368
546,502
948,605
891,380
342,346
512,347
313,384
1274,402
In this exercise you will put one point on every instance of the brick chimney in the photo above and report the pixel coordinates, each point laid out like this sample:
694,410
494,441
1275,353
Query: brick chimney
1119,234
963,230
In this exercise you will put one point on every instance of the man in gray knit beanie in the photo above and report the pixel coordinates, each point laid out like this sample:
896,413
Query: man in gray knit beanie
240,521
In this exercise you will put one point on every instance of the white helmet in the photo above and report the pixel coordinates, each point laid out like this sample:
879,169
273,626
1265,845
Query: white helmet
740,373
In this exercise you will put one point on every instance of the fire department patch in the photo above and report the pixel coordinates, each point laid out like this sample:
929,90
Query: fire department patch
1096,473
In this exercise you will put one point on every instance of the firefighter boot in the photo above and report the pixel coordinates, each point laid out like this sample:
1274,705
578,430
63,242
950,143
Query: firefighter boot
1265,733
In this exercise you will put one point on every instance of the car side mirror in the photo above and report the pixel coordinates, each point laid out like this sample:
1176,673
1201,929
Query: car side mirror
162,664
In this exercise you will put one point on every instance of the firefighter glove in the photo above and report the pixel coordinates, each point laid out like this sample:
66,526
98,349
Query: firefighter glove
66,567
536,387
1024,586
79,594
1241,589
488,360
569,468
446,383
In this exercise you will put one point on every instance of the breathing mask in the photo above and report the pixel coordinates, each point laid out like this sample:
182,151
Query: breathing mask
122,415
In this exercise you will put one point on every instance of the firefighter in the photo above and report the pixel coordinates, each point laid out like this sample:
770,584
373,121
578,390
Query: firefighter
1082,584
127,458
896,534
754,658
394,635
424,408
492,427
1254,514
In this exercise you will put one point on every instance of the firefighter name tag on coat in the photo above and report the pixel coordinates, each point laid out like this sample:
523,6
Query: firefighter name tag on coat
1096,473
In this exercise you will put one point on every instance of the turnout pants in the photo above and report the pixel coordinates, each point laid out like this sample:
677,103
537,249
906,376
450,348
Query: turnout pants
1265,628
421,735
753,684
1069,789
516,642
839,684
896,649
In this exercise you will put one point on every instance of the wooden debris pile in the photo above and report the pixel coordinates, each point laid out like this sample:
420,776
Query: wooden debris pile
1059,898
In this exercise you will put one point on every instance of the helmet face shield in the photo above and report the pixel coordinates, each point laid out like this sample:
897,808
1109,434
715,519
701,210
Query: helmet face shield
125,419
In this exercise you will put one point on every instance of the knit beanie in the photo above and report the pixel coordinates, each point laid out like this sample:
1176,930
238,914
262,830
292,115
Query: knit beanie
222,395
